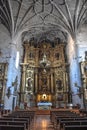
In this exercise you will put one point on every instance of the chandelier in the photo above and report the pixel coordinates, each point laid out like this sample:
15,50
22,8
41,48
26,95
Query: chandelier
44,62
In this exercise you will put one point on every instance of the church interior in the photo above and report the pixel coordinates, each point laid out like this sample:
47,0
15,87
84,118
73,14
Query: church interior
43,64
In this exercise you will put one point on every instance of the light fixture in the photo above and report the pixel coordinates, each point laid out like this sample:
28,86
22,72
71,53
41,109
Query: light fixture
44,62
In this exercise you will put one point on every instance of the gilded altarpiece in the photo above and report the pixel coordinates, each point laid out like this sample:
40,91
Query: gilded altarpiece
44,74
83,66
3,80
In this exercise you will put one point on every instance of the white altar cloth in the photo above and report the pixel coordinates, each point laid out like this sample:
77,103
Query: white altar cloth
44,105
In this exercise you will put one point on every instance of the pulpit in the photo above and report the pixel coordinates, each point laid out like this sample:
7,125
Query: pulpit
44,105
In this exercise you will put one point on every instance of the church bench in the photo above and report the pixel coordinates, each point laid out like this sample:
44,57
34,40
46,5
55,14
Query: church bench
23,114
83,112
59,120
12,127
73,122
70,118
6,122
29,118
54,115
58,117
52,112
17,119
4,112
74,127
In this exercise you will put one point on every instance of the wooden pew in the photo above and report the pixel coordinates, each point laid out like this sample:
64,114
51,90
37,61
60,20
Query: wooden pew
73,122
12,127
23,113
58,118
4,112
69,119
75,127
17,119
5,122
83,112
19,115
54,114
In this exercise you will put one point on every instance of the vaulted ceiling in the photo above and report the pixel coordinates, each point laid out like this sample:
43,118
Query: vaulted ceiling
45,19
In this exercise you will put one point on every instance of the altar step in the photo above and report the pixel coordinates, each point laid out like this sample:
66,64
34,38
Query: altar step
43,112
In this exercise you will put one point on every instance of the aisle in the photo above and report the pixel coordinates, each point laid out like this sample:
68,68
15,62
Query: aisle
42,122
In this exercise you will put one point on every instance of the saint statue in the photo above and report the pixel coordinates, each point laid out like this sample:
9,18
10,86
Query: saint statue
59,84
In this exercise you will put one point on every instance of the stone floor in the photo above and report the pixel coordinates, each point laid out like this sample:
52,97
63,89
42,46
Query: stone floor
42,122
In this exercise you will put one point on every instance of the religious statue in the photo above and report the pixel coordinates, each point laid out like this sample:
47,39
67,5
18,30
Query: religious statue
29,83
44,80
59,84
60,97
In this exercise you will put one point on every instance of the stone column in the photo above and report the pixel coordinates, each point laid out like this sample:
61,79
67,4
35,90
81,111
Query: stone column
75,80
8,99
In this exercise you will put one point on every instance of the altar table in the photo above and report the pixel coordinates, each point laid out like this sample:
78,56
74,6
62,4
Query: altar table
44,105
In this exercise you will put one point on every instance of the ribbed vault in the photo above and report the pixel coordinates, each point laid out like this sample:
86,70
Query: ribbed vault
43,18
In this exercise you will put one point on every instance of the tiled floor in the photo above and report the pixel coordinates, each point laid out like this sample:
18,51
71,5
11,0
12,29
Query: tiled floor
42,122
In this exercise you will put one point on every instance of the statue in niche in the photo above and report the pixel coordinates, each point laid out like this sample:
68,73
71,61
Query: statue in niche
1,84
44,81
59,84
86,55
31,55
1,89
29,84
15,83
57,41
60,97
57,56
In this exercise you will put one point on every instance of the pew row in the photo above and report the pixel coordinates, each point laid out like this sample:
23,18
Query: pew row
12,127
75,127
